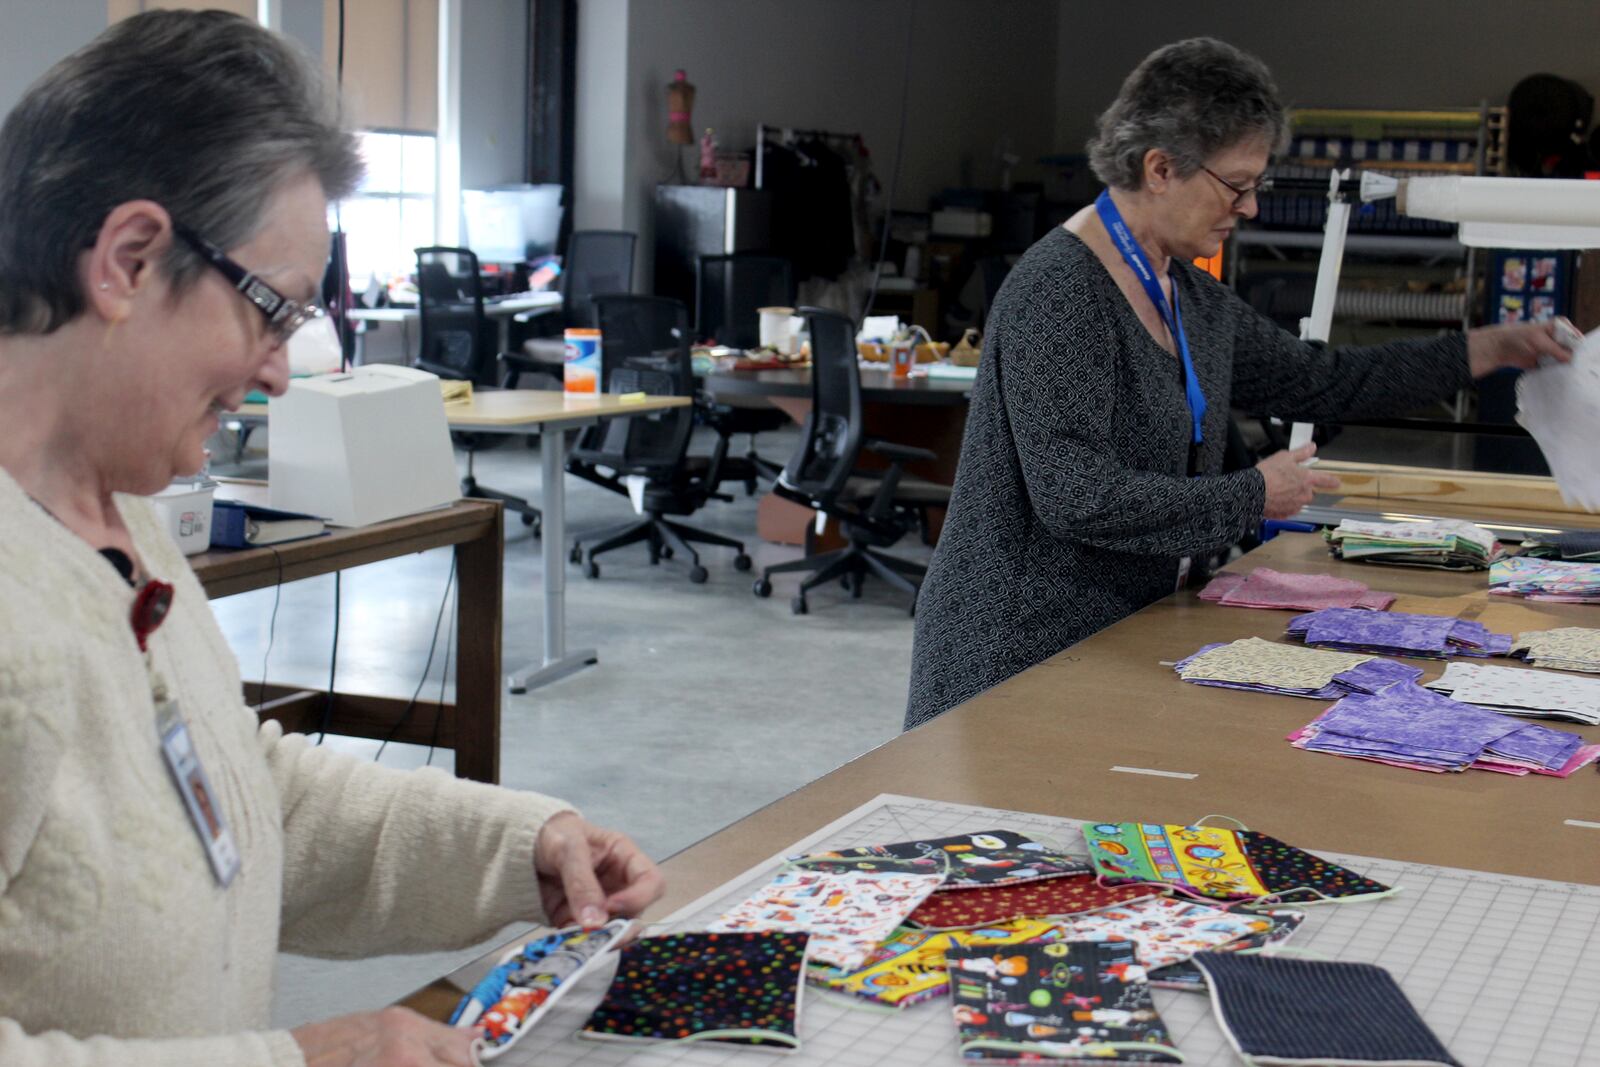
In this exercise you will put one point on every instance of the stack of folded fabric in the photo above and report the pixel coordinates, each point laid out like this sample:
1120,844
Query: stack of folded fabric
1407,726
1265,667
1267,588
1546,579
1514,691
1566,648
1575,546
1450,544
1397,633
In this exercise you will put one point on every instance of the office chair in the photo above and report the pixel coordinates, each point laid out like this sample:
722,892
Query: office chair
459,342
645,348
597,261
876,508
730,290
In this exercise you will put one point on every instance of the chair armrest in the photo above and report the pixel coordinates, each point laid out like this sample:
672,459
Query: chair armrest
898,453
534,313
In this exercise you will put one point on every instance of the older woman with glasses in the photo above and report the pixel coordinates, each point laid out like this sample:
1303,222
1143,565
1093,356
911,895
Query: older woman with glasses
163,195
1091,472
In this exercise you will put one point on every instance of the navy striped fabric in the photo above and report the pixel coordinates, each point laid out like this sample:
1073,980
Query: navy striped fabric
1283,1010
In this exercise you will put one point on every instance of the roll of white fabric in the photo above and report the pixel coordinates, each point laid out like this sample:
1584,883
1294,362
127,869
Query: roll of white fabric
1515,201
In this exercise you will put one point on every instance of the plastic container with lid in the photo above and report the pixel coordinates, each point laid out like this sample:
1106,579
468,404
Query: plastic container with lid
581,373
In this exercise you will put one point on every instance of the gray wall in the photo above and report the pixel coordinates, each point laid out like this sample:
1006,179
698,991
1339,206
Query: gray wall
494,83
34,34
600,159
1358,53
978,84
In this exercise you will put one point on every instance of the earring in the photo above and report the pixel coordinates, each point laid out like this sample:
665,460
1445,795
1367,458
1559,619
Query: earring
105,285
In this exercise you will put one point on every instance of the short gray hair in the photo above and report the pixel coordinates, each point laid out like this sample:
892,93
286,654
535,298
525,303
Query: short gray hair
205,113
1190,99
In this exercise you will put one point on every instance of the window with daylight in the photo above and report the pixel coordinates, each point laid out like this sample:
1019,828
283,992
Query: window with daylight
391,215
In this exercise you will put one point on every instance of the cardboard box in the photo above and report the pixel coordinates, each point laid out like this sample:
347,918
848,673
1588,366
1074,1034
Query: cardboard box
362,447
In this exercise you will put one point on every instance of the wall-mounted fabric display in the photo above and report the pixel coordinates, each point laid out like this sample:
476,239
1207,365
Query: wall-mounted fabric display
1395,633
727,988
847,914
965,861
1294,1011
995,904
1221,863
1073,1001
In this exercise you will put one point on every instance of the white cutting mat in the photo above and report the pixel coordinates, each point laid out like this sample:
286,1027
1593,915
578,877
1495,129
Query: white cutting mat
1505,970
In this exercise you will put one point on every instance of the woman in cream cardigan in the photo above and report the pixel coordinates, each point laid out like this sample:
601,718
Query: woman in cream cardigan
163,195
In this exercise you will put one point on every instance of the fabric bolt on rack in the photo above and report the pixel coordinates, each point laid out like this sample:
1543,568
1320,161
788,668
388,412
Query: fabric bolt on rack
847,913
1221,863
1567,648
1409,726
910,967
1262,666
1282,1011
1448,544
1264,587
1546,579
1518,691
966,861
723,988
1067,1002
1397,633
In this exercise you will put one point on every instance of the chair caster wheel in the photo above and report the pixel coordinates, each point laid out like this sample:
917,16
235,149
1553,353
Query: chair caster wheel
529,520
592,570
576,555
741,562
912,610
762,588
844,581
698,574
750,487
798,605
666,551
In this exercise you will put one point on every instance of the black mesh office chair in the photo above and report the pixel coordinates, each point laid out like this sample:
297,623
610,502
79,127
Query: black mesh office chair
645,349
730,290
459,342
876,508
597,261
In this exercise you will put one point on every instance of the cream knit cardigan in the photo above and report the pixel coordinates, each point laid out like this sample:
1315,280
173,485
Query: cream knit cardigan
116,945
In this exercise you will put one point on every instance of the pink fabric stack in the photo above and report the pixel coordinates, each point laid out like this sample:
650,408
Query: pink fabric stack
1267,588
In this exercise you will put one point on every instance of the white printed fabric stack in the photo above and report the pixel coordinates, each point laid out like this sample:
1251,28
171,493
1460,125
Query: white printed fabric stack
1566,648
1447,544
1559,405
1546,579
1515,691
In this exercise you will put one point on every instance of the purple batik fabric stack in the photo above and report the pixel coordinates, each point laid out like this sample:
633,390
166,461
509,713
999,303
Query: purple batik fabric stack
1397,633
1409,726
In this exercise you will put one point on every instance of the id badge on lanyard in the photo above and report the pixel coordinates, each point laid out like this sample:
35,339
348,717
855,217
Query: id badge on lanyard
150,608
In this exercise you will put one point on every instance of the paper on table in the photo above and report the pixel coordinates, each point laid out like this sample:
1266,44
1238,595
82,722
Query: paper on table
1559,404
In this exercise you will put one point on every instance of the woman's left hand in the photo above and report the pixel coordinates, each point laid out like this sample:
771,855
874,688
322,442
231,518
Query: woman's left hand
1520,344
588,874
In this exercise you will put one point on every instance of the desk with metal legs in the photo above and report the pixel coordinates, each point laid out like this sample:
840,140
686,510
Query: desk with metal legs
550,415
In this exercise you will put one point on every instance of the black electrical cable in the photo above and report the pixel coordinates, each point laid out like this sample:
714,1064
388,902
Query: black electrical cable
438,711
341,263
333,661
894,172
433,643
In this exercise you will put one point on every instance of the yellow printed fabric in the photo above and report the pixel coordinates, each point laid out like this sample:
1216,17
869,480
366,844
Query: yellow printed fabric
910,967
1208,858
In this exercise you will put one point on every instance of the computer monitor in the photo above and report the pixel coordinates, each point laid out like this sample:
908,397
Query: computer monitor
511,223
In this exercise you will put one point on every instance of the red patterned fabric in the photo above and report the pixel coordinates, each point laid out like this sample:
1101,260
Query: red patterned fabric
994,904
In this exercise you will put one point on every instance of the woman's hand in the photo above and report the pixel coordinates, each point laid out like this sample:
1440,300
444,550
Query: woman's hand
394,1037
1518,344
588,874
1289,485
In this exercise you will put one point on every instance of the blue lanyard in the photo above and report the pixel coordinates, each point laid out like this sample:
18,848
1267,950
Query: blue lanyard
1134,256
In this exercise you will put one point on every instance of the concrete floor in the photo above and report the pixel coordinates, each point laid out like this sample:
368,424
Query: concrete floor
707,703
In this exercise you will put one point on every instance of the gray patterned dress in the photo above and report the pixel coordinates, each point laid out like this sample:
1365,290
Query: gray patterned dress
1072,507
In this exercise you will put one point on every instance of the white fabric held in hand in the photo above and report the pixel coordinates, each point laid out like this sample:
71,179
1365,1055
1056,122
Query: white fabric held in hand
1559,404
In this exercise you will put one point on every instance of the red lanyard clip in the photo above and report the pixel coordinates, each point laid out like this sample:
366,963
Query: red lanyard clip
150,608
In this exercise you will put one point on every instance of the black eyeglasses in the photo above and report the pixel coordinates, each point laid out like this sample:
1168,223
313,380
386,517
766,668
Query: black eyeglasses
284,315
1262,186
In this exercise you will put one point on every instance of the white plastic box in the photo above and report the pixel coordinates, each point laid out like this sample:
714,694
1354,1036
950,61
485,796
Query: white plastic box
185,509
361,447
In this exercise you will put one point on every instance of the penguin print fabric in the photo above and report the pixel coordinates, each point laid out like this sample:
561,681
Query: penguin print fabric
993,857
